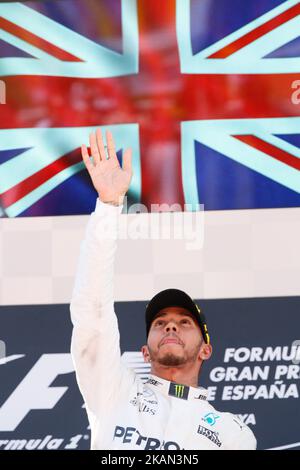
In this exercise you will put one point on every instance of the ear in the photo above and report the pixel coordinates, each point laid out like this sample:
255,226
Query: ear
146,354
205,351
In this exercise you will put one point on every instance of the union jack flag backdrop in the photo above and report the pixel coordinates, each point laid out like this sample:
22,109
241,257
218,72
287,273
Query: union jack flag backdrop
200,89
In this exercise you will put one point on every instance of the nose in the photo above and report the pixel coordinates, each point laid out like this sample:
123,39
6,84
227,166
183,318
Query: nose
171,326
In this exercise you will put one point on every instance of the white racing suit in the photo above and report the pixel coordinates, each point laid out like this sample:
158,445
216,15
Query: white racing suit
124,413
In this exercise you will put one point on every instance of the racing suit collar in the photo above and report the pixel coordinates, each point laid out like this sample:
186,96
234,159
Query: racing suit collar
176,390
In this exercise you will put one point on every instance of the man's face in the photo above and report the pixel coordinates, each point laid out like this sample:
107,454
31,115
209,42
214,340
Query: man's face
174,339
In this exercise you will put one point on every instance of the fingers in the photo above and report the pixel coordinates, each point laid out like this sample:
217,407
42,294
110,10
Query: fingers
98,148
94,148
127,160
100,144
86,158
110,146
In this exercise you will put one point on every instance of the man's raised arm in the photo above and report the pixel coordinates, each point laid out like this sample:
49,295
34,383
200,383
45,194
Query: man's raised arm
95,340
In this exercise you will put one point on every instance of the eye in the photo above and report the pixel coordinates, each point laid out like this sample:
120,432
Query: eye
185,321
159,323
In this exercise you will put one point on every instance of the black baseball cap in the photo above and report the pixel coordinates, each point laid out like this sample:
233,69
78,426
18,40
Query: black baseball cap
175,298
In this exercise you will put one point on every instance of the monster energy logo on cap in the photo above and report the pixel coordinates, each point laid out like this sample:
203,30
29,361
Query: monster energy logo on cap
179,391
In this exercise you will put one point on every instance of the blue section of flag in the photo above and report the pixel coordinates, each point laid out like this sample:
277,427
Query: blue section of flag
71,11
224,184
293,139
6,155
290,49
74,196
226,16
8,50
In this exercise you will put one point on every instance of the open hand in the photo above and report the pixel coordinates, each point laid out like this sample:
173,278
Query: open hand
110,180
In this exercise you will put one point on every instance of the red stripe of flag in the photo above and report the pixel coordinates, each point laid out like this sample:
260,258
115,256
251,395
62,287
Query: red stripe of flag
270,149
256,33
36,41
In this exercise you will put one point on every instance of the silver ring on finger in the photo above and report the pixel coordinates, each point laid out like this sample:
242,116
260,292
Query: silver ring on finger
107,156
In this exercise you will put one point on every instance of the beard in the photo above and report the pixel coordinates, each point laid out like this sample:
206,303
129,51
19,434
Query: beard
170,359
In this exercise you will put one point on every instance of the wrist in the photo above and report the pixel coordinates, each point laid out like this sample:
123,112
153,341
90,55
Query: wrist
113,202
